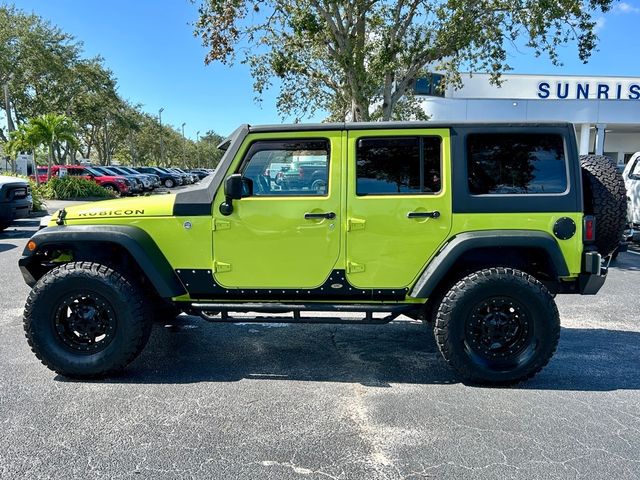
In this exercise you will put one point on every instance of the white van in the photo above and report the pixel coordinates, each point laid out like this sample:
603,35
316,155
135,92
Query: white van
23,164
631,175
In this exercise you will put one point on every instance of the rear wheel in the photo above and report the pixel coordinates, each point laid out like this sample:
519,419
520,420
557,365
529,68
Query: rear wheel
111,188
497,326
169,183
86,320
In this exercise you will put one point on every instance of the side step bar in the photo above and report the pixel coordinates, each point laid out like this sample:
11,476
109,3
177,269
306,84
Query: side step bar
219,312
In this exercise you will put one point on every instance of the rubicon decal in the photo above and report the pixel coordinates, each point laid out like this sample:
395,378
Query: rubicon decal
110,213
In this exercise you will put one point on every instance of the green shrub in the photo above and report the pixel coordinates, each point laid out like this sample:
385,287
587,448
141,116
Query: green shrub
64,188
36,191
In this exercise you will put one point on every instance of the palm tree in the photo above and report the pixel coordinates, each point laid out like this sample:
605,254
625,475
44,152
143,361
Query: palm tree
18,142
49,129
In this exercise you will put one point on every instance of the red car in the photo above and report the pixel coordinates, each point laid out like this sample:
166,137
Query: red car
114,183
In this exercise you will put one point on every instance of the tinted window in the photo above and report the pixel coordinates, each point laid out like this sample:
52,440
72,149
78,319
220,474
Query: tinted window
292,167
516,164
401,165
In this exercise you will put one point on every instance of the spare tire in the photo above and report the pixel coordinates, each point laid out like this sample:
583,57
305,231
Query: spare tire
605,198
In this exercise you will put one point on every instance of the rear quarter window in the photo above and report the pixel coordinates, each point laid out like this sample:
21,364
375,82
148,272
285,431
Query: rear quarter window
516,163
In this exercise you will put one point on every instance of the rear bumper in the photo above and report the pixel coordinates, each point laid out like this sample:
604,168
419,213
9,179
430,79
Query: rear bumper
592,278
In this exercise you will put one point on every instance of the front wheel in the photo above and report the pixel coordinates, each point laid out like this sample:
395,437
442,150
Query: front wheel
111,189
169,183
86,320
497,326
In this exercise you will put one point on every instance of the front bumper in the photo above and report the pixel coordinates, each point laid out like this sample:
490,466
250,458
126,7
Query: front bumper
15,209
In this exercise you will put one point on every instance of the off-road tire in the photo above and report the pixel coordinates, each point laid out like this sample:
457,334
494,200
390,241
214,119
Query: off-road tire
457,308
169,183
605,198
125,298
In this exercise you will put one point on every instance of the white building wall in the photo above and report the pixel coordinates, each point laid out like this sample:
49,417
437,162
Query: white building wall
612,105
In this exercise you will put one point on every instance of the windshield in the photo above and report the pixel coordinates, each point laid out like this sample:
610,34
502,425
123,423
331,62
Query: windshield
96,171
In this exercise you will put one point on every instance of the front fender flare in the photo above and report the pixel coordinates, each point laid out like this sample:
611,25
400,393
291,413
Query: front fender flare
136,241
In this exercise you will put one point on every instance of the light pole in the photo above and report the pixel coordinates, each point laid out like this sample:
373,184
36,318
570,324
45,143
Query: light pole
107,147
10,126
198,149
184,146
161,137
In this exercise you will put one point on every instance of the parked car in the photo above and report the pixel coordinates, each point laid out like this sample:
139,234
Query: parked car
311,174
144,182
474,228
114,183
15,200
193,178
631,176
200,173
153,178
186,179
168,179
104,172
42,174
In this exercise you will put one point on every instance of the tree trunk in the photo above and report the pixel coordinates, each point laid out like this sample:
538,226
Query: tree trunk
35,166
359,109
50,161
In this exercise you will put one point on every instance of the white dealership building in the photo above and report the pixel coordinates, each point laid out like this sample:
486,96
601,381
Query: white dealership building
605,110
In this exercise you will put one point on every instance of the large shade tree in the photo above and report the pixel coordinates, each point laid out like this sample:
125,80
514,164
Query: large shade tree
358,59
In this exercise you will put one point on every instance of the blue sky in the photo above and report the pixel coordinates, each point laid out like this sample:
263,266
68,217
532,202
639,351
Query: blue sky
151,49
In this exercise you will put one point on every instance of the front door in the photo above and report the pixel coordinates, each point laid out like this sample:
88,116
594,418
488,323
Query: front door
286,232
399,204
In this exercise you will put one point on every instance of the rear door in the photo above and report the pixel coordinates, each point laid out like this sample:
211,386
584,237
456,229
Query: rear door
398,204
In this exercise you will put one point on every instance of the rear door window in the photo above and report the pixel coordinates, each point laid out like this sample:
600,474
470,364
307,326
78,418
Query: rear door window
398,165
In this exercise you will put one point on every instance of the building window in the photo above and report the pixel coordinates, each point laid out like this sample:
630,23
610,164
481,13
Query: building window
399,165
429,85
516,164
613,156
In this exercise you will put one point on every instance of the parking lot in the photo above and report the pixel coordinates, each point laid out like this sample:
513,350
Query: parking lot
314,401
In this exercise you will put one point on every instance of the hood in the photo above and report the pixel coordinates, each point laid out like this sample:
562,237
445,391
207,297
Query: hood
4,179
153,206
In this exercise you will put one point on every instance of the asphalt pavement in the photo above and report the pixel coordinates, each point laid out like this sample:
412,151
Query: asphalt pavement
244,401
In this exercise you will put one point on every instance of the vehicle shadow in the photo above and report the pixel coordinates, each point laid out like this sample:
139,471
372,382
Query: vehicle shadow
190,350
6,246
627,261
20,229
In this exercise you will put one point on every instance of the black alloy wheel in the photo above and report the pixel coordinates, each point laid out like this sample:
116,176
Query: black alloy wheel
85,321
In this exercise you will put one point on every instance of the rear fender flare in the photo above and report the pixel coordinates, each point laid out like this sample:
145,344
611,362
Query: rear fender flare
446,258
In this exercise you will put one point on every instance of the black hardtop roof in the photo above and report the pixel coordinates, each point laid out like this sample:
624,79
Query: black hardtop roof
308,127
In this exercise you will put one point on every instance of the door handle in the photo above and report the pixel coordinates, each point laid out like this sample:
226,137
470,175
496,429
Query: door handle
434,214
319,216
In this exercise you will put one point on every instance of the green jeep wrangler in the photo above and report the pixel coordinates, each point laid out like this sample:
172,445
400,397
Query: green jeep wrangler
473,228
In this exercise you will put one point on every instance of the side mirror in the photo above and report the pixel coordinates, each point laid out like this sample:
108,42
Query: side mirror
235,187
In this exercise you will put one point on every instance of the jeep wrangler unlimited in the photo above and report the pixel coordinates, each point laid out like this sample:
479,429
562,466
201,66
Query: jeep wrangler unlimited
473,228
